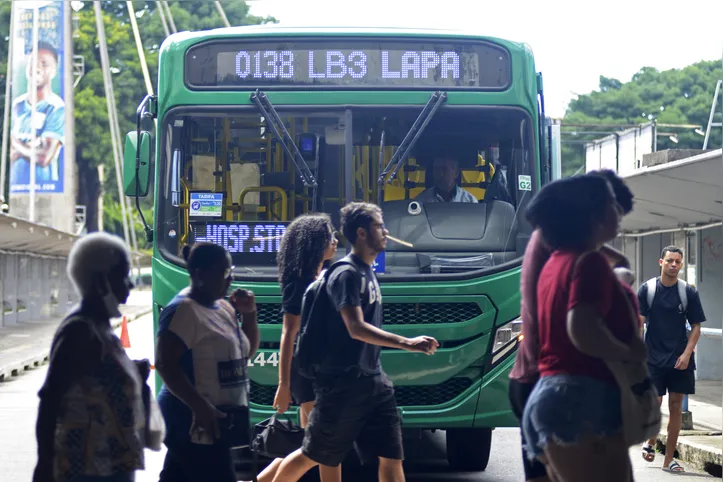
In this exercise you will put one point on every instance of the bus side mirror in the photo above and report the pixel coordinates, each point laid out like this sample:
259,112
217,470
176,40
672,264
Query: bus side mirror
136,175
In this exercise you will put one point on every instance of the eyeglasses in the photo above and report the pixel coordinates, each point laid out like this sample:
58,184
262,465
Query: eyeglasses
227,272
379,225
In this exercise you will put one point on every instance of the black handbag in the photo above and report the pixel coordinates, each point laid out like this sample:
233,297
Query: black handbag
277,438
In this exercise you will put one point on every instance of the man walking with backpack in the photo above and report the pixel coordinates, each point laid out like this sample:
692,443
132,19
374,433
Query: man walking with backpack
354,398
668,305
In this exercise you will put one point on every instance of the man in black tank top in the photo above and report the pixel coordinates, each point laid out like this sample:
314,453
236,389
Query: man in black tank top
354,397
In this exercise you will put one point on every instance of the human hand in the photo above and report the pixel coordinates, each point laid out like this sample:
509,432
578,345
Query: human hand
282,400
682,362
422,344
243,300
205,420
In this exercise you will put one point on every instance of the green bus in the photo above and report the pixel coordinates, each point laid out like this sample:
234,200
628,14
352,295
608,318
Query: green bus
253,126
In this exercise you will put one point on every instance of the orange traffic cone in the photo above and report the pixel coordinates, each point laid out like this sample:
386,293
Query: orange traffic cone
125,339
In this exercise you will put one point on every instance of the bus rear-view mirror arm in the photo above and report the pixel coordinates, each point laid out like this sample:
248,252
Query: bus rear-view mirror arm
144,111
433,104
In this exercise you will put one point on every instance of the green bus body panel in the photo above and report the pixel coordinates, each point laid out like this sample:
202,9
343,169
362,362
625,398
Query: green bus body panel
484,402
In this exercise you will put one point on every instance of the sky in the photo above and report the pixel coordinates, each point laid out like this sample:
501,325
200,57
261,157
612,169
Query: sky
574,42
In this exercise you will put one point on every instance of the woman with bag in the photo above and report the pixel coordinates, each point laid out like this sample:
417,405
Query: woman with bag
202,356
573,419
308,243
91,418
525,373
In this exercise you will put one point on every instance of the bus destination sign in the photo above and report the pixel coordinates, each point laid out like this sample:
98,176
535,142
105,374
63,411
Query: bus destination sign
349,64
244,238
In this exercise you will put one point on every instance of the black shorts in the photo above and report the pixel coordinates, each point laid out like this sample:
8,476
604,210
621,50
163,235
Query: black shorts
670,380
518,393
353,409
302,389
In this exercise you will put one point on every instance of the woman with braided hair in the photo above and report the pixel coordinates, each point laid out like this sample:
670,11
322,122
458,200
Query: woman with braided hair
308,243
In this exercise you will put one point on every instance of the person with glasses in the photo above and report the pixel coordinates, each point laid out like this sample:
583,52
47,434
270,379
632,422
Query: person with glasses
309,243
202,355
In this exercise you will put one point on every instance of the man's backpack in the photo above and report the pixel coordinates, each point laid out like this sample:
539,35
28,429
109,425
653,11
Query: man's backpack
315,308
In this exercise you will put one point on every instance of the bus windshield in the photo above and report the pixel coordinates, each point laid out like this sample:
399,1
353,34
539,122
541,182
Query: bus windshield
454,201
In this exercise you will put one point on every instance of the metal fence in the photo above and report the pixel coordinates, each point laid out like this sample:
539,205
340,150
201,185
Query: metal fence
33,281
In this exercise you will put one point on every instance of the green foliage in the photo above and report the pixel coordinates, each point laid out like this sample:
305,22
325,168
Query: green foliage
92,129
676,96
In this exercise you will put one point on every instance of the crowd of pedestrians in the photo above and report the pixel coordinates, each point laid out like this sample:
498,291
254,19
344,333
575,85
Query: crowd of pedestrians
586,334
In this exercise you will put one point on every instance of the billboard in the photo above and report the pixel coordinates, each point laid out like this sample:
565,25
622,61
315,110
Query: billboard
38,128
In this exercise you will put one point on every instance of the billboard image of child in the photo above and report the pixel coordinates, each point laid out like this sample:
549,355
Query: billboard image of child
48,120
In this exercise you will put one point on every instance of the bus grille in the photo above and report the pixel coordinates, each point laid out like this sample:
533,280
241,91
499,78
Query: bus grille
407,396
396,313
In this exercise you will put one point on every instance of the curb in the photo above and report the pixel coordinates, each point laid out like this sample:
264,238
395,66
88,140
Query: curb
16,368
699,448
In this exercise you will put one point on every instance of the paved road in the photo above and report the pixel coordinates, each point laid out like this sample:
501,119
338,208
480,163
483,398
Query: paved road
18,408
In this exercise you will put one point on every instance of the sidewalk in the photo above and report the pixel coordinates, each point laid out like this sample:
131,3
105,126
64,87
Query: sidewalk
27,345
702,446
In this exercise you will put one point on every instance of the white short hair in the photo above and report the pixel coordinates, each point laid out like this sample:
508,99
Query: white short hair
94,254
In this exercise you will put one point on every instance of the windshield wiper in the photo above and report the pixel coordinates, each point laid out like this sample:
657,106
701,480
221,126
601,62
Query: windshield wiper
435,102
282,135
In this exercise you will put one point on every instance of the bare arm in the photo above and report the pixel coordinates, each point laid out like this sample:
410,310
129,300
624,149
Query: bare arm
288,334
684,359
250,328
169,350
361,330
590,335
44,153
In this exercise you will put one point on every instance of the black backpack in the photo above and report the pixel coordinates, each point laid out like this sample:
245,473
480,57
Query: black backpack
315,308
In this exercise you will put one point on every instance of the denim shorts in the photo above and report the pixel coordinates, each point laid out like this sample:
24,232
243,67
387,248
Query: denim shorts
564,408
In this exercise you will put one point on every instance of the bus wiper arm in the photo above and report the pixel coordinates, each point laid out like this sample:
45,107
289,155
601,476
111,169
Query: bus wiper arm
282,134
435,102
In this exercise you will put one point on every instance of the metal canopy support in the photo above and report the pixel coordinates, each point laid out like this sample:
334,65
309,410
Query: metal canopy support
433,104
712,114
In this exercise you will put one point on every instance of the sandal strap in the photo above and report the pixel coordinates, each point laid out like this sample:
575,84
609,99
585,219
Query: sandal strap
674,466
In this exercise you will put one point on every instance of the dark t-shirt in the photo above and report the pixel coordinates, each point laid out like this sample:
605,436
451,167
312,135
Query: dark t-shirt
352,286
666,336
292,294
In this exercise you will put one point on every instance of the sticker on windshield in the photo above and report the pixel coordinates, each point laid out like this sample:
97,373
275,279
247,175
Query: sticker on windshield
206,204
524,183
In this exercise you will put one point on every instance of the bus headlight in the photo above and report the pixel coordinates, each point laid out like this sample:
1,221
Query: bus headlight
506,338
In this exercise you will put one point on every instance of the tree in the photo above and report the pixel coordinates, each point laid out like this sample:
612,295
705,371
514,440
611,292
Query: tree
676,96
92,129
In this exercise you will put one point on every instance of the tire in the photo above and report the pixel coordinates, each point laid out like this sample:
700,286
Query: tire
468,449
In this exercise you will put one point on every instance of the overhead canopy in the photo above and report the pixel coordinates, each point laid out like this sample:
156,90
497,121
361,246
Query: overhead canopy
19,235
683,193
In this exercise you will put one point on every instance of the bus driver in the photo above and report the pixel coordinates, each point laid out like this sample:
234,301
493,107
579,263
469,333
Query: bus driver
446,171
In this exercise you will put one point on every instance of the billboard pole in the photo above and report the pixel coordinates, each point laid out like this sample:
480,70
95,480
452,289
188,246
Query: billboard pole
8,104
33,113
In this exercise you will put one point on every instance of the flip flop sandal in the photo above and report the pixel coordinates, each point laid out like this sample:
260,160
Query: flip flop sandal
648,452
674,467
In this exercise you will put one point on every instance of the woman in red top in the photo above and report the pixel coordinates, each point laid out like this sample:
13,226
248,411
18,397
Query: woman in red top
524,374
572,420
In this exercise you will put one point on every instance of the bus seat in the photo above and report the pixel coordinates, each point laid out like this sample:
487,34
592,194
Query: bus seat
414,177
476,180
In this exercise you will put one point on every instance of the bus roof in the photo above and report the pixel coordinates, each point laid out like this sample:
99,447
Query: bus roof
274,30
